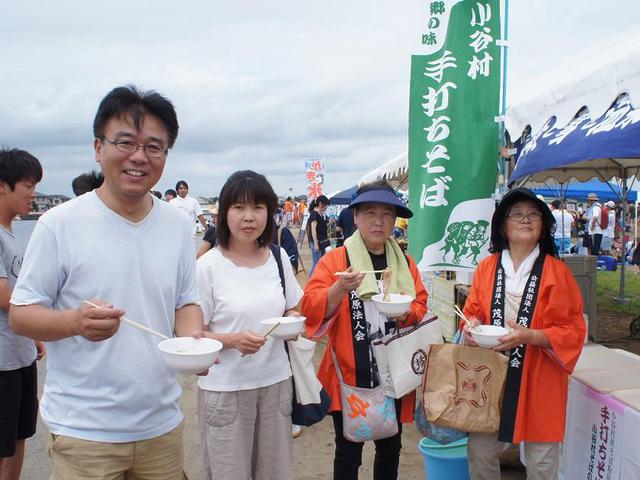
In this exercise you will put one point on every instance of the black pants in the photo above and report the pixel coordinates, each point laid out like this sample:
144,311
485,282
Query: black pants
348,455
596,241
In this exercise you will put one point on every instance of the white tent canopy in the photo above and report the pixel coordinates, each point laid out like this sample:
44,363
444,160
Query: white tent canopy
594,79
394,171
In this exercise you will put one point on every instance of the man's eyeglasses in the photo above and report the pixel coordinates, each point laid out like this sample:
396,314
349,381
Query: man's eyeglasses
532,216
127,146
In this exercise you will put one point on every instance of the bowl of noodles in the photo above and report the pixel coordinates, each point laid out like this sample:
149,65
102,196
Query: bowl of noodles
394,305
190,355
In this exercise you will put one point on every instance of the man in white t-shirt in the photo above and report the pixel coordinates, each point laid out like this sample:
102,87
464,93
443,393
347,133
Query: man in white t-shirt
110,402
190,205
610,231
595,231
564,221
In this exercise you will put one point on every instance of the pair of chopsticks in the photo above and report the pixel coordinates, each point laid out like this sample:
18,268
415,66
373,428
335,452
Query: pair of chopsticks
339,274
266,334
458,312
131,323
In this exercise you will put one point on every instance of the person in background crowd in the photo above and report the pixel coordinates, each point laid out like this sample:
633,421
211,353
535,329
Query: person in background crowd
283,237
400,229
328,307
209,239
288,212
635,257
19,173
170,195
156,194
345,225
86,182
302,208
609,233
110,401
318,236
189,205
524,286
244,404
564,222
595,230
296,212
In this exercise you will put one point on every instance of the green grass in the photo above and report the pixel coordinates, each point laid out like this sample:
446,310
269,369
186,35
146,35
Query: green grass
608,288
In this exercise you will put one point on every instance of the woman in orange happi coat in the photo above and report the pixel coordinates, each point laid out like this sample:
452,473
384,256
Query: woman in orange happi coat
326,305
524,284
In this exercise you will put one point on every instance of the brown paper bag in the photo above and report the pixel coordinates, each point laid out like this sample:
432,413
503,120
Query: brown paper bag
462,387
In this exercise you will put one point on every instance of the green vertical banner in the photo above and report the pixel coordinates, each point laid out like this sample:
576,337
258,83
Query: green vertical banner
453,134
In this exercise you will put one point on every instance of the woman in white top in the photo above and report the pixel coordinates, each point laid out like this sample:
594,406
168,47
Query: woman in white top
244,403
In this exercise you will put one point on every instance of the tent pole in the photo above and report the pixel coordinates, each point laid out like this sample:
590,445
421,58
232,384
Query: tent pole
621,298
503,107
635,224
562,210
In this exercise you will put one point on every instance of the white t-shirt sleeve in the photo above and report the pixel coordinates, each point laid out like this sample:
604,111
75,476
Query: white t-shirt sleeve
205,287
196,208
41,274
187,291
293,291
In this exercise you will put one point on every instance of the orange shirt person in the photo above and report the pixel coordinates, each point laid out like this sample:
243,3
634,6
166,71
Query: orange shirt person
525,287
341,307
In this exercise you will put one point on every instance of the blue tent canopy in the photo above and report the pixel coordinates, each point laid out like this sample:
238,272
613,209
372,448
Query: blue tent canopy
343,197
579,191
585,148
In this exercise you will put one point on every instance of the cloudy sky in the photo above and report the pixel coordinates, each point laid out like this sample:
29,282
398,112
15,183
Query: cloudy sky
260,85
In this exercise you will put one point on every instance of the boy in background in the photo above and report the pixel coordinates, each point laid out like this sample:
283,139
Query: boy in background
19,174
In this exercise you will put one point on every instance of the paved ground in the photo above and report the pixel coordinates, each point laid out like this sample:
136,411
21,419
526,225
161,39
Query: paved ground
313,451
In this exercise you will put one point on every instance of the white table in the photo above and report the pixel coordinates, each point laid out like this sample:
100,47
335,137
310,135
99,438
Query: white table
602,438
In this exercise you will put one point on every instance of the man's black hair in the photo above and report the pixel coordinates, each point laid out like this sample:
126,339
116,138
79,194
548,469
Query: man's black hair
181,183
129,100
87,182
171,192
17,165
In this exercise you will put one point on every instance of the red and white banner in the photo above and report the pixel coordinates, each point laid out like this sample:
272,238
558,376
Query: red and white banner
314,173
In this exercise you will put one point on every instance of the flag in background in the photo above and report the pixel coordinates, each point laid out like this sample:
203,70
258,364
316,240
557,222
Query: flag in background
453,134
314,173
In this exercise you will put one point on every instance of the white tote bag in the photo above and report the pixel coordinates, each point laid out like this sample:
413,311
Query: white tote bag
307,384
401,357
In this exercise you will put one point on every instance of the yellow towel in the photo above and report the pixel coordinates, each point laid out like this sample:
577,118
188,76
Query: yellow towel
401,279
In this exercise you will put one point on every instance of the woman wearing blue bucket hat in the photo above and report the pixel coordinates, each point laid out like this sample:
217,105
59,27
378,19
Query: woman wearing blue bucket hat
341,306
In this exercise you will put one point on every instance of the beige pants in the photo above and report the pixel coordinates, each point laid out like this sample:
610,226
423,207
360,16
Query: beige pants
160,458
484,449
247,434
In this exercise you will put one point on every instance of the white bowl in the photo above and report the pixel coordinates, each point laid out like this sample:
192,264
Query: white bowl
190,355
289,326
487,335
397,306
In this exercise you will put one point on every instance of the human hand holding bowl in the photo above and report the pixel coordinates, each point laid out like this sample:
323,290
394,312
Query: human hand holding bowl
471,323
518,335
